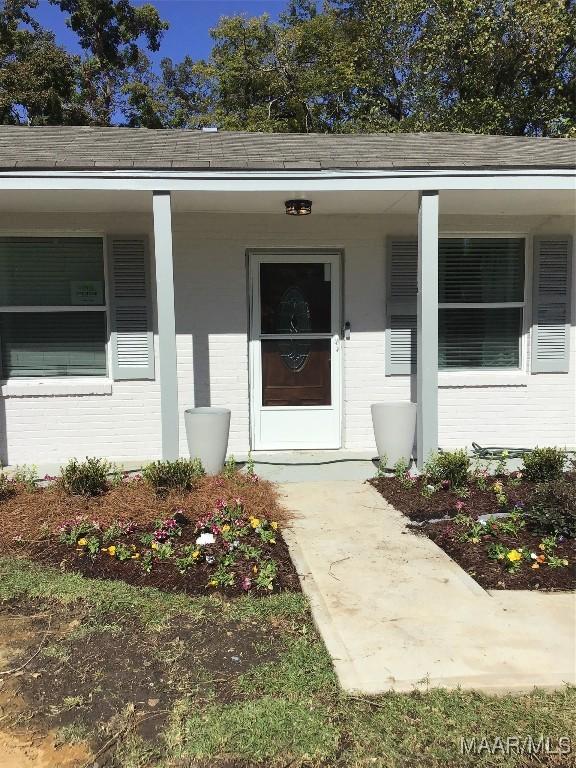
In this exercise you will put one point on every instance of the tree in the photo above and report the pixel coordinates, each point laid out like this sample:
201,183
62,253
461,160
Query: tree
109,31
37,76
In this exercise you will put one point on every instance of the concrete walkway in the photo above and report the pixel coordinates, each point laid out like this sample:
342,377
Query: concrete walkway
396,613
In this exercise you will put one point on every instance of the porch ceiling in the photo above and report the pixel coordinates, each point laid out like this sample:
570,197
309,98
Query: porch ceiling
473,202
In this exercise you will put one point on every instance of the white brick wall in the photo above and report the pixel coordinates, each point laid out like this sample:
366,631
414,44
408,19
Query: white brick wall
211,324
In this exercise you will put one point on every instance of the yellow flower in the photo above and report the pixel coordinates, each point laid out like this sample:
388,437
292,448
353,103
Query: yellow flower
564,562
255,569
82,542
272,541
514,556
154,545
135,556
225,528
213,583
111,551
274,525
255,522
497,487
196,554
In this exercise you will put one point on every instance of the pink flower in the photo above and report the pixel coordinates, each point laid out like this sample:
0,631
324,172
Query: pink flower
246,583
220,504
459,505
215,529
238,502
445,484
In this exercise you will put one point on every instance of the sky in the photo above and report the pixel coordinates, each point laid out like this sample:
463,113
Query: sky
190,23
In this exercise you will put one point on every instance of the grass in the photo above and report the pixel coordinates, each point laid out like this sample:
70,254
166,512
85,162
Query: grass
281,707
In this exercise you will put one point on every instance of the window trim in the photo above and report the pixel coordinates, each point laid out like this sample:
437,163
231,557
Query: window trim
524,340
60,381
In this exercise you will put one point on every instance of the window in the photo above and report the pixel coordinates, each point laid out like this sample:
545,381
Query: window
481,302
52,307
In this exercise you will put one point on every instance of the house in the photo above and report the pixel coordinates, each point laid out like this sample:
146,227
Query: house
143,272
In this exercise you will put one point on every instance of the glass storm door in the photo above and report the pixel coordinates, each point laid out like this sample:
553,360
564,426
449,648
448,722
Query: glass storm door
295,351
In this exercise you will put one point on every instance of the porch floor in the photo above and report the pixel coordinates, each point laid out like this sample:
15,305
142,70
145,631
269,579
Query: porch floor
396,613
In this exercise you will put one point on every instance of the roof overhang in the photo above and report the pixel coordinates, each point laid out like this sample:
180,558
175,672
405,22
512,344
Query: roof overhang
288,181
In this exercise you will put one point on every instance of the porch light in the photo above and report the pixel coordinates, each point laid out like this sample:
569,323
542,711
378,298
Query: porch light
298,207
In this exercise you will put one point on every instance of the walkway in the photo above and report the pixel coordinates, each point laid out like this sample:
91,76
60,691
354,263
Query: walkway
396,613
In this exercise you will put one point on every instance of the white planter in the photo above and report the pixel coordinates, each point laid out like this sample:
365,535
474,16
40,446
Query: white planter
394,429
207,431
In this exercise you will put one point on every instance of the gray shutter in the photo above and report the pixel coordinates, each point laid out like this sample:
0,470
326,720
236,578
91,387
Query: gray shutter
551,304
132,336
402,291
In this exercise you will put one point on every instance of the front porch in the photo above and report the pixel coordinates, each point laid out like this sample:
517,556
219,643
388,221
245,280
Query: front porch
202,308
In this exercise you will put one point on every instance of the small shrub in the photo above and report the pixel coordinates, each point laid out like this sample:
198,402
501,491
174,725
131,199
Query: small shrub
86,478
230,468
180,474
450,467
26,475
552,509
6,487
543,465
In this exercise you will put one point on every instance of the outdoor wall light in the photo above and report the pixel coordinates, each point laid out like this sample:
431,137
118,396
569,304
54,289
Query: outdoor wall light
298,207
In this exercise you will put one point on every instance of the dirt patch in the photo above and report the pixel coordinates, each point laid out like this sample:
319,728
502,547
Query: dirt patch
491,574
92,677
28,750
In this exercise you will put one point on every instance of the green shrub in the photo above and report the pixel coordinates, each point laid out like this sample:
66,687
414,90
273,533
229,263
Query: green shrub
26,475
6,487
542,465
86,478
552,509
180,474
450,466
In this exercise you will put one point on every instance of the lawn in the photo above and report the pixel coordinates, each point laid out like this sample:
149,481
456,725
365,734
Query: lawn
143,678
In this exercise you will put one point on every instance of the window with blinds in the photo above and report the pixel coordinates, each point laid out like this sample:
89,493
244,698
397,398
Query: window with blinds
481,302
52,307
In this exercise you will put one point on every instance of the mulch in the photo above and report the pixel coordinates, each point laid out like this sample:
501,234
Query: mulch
491,574
32,514
164,574
442,504
29,519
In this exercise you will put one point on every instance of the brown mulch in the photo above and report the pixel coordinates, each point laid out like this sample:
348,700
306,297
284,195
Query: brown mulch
164,574
441,504
33,514
491,574
473,558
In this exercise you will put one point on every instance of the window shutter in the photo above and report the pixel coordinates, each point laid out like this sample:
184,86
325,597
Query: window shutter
551,310
132,337
402,284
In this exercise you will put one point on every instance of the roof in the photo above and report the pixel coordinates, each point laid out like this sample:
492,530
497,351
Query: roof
86,148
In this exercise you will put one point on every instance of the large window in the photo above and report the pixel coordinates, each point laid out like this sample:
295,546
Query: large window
52,307
481,302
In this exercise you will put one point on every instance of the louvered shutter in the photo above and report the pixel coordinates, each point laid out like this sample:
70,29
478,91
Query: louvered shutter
132,337
551,304
402,284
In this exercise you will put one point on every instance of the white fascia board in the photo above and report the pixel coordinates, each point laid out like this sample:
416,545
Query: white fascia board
287,181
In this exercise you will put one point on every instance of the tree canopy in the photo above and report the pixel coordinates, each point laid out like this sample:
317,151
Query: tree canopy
484,66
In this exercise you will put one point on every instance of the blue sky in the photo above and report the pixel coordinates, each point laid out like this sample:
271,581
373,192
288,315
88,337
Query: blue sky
190,23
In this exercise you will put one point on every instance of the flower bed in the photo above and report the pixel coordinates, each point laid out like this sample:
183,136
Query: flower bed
221,534
509,530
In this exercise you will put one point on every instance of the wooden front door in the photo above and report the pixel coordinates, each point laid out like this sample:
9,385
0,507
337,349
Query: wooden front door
295,350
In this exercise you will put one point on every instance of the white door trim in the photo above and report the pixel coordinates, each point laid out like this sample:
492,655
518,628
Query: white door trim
328,418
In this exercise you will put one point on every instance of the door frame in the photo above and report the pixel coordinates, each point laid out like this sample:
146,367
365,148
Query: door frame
254,257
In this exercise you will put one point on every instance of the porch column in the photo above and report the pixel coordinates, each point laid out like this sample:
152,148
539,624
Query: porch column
166,323
427,327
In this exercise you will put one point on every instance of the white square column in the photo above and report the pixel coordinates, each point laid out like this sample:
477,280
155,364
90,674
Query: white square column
162,212
427,328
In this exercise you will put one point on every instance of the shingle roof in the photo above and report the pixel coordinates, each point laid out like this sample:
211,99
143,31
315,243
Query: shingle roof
23,147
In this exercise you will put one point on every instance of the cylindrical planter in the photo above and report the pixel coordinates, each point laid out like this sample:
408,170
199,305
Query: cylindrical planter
394,430
207,431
